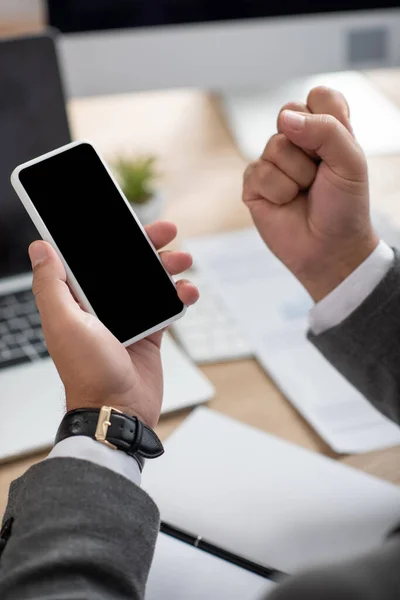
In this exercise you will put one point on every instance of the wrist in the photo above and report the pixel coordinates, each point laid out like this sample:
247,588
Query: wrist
73,403
326,274
114,429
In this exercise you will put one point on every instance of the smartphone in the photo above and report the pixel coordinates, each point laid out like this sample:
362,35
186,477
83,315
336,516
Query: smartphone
112,267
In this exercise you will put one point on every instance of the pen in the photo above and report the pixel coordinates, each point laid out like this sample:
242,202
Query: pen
205,546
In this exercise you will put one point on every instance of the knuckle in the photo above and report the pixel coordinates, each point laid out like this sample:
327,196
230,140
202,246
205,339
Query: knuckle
39,281
248,179
43,283
248,172
37,289
330,124
277,147
326,100
288,194
282,197
265,171
250,182
320,94
39,284
308,175
257,180
296,106
288,106
274,187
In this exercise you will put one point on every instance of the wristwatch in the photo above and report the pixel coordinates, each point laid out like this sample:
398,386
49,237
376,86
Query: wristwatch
114,429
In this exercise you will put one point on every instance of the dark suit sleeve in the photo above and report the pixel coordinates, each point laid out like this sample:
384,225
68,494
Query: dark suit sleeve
76,531
375,576
365,347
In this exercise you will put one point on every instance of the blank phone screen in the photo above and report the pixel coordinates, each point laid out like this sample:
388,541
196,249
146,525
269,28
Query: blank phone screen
101,242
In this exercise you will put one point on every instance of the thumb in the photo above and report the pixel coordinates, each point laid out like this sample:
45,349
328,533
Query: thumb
331,141
49,285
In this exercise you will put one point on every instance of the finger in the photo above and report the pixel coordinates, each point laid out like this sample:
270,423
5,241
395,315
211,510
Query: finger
161,233
265,180
302,108
49,286
291,160
187,292
333,143
176,262
325,101
296,106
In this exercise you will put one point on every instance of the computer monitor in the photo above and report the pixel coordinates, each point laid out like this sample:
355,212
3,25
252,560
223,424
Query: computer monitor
125,45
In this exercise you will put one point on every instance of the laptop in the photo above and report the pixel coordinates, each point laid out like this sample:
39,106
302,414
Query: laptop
33,121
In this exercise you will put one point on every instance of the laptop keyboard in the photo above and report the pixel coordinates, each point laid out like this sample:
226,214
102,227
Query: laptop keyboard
21,335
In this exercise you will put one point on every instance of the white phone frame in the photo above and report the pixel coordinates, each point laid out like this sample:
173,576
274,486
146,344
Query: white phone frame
46,235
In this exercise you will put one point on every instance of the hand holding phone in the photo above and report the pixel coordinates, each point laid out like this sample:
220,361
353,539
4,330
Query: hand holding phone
94,366
77,206
124,289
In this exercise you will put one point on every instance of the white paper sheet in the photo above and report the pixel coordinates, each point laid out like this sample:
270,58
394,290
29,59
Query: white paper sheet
266,499
271,308
184,383
182,572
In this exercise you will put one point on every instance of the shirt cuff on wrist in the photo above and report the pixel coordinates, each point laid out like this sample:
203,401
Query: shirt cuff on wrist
351,293
85,448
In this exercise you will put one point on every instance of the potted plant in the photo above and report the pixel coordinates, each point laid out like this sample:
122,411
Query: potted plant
137,177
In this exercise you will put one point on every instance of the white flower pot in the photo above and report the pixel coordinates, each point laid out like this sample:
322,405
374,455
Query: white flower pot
151,210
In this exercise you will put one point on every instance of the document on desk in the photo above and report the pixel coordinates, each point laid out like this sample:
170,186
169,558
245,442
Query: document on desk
271,309
190,388
182,572
263,498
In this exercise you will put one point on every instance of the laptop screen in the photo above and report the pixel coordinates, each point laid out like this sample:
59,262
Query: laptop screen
32,121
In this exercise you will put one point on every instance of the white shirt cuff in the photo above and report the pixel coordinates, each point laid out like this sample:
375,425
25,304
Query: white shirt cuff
85,448
351,293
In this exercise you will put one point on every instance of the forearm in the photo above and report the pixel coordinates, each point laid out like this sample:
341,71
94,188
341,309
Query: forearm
365,346
79,531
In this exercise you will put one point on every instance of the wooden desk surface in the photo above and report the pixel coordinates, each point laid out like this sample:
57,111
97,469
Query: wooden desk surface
201,173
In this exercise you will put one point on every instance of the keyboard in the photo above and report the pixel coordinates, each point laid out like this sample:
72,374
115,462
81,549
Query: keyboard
21,335
207,333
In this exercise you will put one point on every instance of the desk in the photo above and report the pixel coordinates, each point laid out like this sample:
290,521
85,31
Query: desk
201,173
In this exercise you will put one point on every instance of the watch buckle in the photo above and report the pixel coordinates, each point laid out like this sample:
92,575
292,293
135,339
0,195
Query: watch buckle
103,423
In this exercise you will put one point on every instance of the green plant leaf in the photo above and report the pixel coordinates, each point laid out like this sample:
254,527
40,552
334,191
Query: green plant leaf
136,177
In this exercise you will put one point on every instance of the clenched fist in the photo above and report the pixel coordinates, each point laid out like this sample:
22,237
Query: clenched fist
308,193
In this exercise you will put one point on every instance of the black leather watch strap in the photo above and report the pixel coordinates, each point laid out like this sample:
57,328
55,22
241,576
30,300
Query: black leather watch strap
114,429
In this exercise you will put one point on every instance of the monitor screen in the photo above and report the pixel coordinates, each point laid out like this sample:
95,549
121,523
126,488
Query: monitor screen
32,121
91,15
